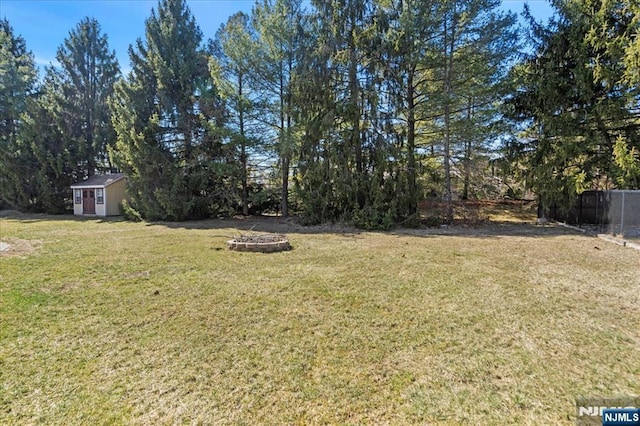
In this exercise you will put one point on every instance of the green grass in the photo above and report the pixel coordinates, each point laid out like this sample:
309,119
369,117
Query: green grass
109,322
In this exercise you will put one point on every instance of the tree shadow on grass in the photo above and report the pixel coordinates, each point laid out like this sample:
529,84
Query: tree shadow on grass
43,217
277,224
271,224
262,224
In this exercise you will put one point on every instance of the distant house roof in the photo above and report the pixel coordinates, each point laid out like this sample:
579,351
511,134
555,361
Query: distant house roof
99,181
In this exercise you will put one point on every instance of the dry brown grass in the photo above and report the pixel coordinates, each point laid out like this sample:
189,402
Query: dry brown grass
481,212
18,247
115,322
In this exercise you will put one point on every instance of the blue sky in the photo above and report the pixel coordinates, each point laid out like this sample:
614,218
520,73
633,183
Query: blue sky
44,24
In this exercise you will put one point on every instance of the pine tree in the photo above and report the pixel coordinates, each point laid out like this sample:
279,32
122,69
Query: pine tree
614,29
576,94
18,165
314,109
67,126
81,86
233,58
279,27
345,156
613,34
474,45
167,116
407,58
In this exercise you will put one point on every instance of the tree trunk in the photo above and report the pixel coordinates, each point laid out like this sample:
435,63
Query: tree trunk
355,142
243,151
412,197
285,185
467,156
448,75
467,170
284,148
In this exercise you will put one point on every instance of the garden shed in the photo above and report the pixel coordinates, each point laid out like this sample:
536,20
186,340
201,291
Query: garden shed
99,195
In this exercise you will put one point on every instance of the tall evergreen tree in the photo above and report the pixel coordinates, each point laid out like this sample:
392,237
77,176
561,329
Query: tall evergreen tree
82,85
167,114
576,95
344,162
472,51
393,93
56,156
314,108
408,53
279,27
613,34
233,58
18,165
347,21
67,126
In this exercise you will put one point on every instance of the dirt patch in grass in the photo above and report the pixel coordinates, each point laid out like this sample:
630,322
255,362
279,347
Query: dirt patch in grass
18,247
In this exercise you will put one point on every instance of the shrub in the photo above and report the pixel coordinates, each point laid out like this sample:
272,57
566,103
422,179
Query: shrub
129,212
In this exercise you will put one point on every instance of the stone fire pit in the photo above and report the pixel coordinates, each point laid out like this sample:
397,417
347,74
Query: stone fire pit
267,243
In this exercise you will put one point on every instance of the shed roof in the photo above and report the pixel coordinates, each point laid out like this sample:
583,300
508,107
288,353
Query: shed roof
99,181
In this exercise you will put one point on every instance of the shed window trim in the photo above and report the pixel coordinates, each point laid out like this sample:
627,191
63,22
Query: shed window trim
78,196
99,196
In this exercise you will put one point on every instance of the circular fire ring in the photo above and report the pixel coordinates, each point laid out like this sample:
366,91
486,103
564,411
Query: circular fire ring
268,243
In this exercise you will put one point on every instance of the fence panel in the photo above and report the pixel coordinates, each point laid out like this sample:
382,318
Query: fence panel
624,213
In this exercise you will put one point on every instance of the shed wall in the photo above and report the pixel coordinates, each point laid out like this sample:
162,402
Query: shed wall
100,209
114,194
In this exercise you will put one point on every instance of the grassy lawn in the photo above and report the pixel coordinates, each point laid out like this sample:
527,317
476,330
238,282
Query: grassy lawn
105,322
